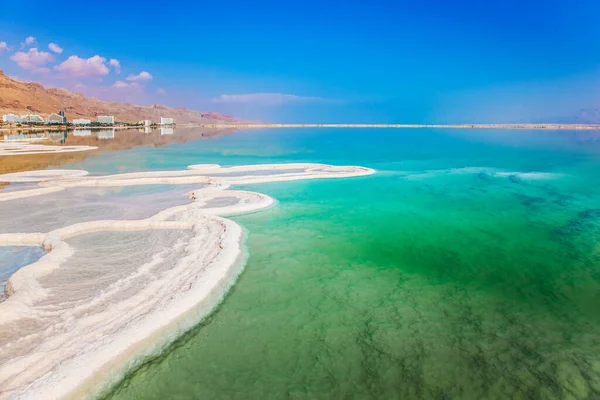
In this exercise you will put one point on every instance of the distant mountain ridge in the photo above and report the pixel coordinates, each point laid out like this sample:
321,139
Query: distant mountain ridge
27,97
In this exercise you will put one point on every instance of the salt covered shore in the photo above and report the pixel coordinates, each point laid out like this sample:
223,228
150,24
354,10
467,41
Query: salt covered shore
15,148
109,292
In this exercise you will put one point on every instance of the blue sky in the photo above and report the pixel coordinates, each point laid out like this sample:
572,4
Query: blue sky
318,61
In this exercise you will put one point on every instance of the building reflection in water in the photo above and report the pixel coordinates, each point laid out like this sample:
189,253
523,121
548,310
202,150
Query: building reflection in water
21,137
58,137
166,131
82,132
105,134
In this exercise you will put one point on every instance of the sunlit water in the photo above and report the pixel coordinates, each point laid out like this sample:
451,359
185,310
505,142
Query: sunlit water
467,268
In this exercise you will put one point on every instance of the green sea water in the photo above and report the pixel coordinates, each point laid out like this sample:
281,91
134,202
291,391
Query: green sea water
468,267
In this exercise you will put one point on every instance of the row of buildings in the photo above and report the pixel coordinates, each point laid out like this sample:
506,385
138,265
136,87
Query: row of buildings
55,118
60,119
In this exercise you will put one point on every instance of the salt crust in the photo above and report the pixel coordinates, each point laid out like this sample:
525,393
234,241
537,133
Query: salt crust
75,352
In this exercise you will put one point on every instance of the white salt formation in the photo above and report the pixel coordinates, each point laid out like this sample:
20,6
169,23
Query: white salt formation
129,267
21,148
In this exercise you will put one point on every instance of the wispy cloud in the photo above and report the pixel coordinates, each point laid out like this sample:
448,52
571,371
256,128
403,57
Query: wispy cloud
116,64
33,60
271,99
76,67
3,46
29,40
55,48
141,77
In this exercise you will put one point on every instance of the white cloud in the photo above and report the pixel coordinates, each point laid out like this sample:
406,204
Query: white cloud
121,84
30,40
33,60
141,77
75,67
161,91
55,48
3,46
271,99
116,64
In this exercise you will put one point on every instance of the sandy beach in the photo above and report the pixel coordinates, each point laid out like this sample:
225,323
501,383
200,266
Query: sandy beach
114,290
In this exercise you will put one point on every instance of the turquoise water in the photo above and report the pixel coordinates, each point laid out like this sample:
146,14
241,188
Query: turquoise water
467,268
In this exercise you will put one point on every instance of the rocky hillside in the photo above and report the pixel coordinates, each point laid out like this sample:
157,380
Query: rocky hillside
22,98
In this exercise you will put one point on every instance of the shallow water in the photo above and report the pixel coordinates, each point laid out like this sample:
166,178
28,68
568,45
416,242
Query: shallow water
13,258
467,268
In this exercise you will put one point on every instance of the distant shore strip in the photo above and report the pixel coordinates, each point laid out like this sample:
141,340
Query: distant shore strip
412,126
243,125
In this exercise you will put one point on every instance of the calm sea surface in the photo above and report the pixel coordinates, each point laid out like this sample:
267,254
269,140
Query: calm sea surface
468,267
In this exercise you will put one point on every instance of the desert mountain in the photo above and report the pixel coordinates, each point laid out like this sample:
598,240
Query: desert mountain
24,98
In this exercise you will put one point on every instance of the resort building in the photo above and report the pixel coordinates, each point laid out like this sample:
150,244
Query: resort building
62,114
105,119
167,121
146,122
81,121
32,119
55,119
11,118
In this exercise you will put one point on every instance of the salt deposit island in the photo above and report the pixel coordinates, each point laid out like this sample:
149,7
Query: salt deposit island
131,262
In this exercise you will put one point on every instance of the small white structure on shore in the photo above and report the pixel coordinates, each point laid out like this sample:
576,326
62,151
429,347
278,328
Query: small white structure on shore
146,122
81,121
167,121
11,118
105,119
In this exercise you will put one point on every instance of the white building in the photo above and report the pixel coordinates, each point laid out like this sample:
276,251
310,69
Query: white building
105,119
147,122
55,119
32,118
81,121
167,121
11,118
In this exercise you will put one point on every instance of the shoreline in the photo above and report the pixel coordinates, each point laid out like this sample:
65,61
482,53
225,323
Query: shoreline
126,329
414,126
244,125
